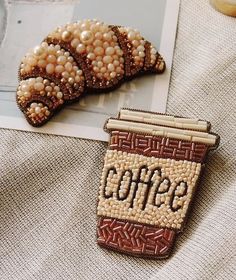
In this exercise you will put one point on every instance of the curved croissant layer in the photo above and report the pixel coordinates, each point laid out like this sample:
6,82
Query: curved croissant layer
82,57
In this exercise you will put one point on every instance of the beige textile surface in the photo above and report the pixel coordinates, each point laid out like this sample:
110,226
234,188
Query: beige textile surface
48,184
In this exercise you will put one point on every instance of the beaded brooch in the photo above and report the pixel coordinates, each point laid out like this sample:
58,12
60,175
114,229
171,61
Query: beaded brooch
151,170
82,57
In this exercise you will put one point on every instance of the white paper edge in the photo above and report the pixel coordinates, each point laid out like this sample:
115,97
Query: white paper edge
161,86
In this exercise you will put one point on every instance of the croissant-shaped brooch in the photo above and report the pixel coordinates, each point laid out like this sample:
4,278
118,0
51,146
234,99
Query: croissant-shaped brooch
79,58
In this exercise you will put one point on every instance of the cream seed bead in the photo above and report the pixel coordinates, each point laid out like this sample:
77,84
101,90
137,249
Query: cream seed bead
61,60
140,48
100,64
99,58
38,86
103,70
113,75
91,56
70,59
110,67
99,51
80,72
39,79
38,50
98,35
86,37
66,35
107,59
32,61
110,51
68,66
95,69
107,37
42,63
59,95
97,43
59,69
27,94
105,45
65,75
71,80
48,88
131,35
50,68
80,48
77,78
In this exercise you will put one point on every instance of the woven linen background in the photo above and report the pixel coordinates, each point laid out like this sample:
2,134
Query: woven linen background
48,184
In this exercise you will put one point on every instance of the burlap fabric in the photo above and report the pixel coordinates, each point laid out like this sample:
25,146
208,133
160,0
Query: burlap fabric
48,184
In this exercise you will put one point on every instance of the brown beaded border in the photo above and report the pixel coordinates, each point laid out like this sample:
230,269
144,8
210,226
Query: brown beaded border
135,239
160,147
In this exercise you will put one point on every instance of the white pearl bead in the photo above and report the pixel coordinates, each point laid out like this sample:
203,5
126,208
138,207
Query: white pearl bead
50,68
103,70
80,48
140,48
24,87
99,64
44,44
105,45
107,59
31,81
27,94
59,69
68,66
66,35
31,61
99,58
38,86
110,67
71,80
153,51
98,35
48,88
135,43
118,69
113,74
61,60
65,75
77,78
107,37
86,37
59,94
80,72
37,110
39,79
110,51
51,58
116,63
42,63
99,51
97,43
141,54
131,35
33,105
75,42
91,56
51,50
95,69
